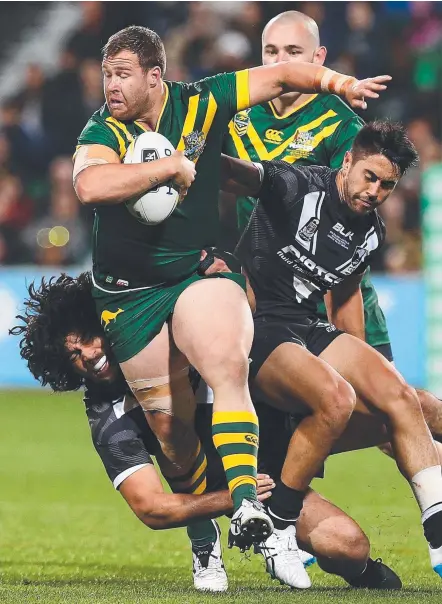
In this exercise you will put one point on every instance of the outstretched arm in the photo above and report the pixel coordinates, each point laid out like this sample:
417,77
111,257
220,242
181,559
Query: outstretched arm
270,81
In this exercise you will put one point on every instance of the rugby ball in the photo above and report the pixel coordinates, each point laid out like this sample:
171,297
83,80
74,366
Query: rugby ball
158,203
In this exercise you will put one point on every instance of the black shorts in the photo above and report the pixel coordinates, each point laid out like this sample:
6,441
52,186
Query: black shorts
305,330
385,350
275,431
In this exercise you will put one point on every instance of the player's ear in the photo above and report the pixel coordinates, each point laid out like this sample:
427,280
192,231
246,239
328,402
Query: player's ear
320,55
348,158
154,75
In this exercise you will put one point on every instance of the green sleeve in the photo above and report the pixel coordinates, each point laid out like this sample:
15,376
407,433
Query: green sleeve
231,91
98,132
228,146
342,140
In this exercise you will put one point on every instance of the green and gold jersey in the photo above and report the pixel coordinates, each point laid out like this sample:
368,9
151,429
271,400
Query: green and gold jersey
194,119
317,132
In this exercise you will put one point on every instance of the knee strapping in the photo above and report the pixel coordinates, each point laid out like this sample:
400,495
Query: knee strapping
171,394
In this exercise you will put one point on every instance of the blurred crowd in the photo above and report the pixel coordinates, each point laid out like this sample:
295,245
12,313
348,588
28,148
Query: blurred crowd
41,220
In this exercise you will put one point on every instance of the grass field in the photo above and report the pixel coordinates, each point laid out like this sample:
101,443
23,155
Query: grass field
66,536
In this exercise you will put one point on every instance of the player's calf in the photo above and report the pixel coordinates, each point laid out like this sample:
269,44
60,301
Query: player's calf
432,410
341,547
310,445
347,553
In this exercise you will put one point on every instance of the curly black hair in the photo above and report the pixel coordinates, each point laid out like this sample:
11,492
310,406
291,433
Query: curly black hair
56,308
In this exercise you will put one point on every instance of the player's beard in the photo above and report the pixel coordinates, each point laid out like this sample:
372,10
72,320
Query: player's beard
134,108
342,185
141,106
345,195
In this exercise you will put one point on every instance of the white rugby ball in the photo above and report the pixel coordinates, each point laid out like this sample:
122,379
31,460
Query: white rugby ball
157,204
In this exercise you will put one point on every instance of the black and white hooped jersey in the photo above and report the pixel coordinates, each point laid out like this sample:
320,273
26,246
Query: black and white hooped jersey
302,240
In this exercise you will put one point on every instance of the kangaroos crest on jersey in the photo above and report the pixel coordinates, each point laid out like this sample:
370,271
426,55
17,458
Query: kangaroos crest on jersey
194,118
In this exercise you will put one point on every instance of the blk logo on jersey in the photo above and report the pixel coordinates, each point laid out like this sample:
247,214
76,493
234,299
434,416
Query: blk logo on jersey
341,229
340,235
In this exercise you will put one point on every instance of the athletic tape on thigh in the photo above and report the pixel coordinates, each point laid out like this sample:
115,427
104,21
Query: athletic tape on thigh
169,394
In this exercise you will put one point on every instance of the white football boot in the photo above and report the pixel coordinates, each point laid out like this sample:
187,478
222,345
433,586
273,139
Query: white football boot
282,558
250,524
209,573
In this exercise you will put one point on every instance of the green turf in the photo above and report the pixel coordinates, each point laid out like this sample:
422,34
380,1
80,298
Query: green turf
66,536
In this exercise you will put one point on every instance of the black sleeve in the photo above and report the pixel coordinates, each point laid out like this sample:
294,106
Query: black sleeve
381,233
282,186
119,439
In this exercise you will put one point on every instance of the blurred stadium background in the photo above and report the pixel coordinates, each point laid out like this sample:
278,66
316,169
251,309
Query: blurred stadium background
50,84
63,523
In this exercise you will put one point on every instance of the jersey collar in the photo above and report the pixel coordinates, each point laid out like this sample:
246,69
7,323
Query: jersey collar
294,110
166,99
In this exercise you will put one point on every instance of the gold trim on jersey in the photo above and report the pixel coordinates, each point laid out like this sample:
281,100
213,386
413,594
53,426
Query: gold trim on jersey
318,121
318,138
121,143
242,90
292,111
144,126
189,122
210,114
258,144
260,148
166,98
239,145
122,127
